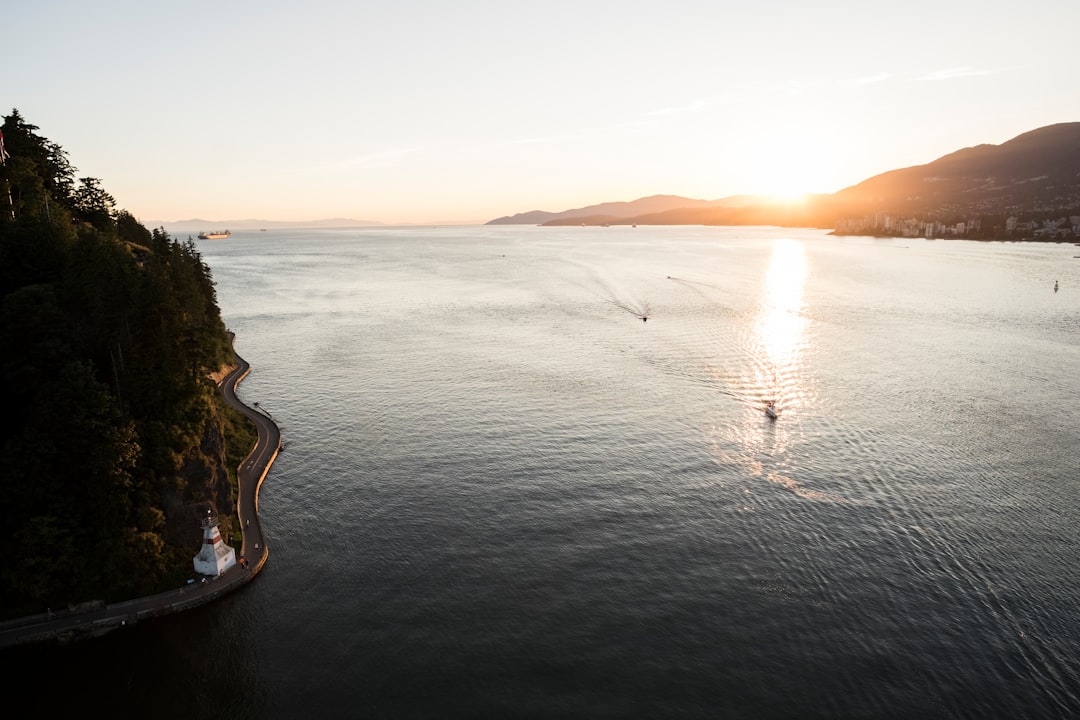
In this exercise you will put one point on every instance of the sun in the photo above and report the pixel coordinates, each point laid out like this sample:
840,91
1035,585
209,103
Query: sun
788,195
790,167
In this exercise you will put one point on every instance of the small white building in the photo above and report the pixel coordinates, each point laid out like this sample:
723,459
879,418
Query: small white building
215,557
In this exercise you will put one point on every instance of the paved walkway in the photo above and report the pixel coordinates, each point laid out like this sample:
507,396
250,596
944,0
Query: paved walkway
99,619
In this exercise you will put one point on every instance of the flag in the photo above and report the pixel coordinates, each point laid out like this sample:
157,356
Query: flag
3,153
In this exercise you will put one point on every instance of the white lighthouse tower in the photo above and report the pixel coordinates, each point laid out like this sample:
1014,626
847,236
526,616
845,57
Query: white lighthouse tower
215,557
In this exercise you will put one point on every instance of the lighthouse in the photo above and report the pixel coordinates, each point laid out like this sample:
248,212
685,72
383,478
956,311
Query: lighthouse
215,557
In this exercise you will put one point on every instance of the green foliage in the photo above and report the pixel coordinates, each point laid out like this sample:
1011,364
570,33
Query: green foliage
40,161
242,435
107,334
91,204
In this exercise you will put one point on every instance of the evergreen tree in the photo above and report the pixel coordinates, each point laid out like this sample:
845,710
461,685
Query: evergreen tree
91,204
107,334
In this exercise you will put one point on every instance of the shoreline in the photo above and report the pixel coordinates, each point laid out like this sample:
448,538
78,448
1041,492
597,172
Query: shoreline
94,619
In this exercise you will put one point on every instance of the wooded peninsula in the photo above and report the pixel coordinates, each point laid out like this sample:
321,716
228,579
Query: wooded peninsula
117,441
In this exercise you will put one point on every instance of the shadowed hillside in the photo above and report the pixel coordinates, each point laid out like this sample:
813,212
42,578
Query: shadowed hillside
1027,187
1039,170
115,440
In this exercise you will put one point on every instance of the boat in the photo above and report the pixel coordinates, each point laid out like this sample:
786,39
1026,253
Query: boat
215,235
771,410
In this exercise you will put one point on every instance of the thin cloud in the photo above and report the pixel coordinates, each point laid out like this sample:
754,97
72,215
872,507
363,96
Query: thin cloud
693,107
578,134
953,73
871,79
796,87
382,158
533,140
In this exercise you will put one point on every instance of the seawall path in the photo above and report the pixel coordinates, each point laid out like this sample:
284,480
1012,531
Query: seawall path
95,619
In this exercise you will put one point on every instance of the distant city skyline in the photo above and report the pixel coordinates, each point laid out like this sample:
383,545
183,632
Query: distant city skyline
423,112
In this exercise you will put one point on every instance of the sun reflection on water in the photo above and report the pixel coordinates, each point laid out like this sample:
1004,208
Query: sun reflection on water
777,346
781,323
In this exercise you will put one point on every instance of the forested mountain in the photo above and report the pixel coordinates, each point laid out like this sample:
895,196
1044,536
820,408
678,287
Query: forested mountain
1034,172
114,445
1033,178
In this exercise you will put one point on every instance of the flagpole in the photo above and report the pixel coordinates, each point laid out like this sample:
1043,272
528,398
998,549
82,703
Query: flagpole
7,183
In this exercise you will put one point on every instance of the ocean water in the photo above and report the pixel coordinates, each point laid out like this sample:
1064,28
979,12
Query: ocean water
528,473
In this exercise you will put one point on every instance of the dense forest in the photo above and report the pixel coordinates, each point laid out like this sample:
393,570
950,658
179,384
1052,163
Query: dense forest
115,433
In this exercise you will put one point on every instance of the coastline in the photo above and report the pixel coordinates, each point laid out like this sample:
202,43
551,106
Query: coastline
95,619
886,236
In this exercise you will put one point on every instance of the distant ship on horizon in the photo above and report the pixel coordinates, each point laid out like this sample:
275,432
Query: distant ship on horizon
216,235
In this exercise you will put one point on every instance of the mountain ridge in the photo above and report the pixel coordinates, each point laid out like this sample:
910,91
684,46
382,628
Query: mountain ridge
1035,172
620,209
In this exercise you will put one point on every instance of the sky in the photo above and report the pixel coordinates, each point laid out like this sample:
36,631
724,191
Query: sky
416,112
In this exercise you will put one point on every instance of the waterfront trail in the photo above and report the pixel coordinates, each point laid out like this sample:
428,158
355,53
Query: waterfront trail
93,619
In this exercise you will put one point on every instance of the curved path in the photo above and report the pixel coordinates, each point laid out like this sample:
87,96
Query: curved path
100,619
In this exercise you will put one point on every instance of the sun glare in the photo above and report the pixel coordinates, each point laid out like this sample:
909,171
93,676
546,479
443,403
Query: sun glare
781,323
788,178
789,196
790,167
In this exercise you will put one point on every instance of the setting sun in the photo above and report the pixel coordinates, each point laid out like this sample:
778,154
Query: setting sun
790,166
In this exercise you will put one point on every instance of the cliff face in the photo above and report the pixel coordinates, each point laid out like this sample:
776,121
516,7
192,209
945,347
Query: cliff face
205,486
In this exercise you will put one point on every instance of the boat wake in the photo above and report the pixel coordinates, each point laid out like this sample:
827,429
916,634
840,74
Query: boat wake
642,312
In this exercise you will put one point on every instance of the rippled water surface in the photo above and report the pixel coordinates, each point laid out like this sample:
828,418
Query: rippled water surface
528,473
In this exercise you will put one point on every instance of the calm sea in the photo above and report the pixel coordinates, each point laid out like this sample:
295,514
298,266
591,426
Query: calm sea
528,473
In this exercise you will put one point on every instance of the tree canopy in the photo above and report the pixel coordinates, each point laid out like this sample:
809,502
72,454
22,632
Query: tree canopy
108,331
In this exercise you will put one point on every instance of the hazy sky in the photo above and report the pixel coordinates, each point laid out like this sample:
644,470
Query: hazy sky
412,111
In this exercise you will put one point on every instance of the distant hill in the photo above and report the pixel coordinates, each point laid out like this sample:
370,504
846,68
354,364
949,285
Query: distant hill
197,224
1035,173
1038,170
616,211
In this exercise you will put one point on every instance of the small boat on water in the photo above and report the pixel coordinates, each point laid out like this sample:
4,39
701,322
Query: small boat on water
215,235
771,410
